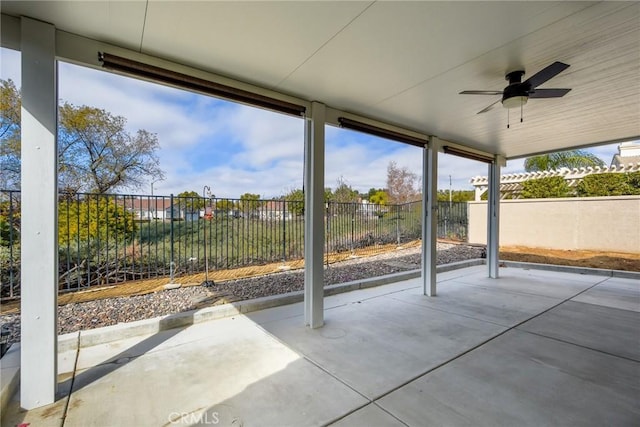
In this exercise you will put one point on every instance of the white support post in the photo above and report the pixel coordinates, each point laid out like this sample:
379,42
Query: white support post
39,233
430,215
314,217
493,217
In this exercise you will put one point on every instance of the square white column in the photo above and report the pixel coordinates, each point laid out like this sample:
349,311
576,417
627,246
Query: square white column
493,217
314,211
429,215
39,228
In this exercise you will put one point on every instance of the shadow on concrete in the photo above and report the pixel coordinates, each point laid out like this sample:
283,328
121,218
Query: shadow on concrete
94,373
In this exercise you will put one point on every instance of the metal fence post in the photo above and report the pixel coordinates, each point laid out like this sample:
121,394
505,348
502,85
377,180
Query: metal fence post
398,224
353,225
172,264
284,233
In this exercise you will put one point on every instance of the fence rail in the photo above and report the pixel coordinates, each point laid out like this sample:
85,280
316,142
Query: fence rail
112,238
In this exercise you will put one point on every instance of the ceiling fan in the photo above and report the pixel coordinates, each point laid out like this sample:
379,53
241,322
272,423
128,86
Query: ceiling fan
518,92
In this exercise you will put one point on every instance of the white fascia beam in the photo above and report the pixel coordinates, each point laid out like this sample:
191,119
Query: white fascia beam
10,32
430,215
84,51
333,114
493,217
314,211
39,227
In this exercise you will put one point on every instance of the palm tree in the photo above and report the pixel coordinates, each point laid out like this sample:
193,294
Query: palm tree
562,159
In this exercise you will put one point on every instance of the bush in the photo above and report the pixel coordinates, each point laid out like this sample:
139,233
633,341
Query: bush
609,184
548,187
90,219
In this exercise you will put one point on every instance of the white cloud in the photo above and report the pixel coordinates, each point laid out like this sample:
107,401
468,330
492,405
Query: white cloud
10,65
148,106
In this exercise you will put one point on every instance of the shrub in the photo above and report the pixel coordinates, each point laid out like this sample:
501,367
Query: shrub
548,187
90,219
609,184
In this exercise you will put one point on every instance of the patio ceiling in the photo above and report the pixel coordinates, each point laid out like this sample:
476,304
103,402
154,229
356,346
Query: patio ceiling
402,63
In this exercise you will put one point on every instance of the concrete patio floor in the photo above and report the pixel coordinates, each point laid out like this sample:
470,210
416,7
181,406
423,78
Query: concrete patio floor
531,348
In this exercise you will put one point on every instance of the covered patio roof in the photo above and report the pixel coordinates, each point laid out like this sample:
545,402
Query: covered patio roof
402,63
388,67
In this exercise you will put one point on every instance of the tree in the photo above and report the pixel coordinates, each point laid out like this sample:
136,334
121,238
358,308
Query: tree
328,195
562,159
9,134
548,187
380,197
344,193
456,195
295,197
249,202
225,205
191,201
373,191
96,153
401,183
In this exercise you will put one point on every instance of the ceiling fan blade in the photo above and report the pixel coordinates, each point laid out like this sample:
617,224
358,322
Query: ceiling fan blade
481,92
548,93
546,74
489,107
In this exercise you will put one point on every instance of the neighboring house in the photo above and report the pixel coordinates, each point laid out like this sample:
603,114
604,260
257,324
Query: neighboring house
181,213
274,210
146,208
370,210
628,154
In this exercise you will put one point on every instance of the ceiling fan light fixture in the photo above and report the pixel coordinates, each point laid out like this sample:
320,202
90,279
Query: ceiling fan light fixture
515,101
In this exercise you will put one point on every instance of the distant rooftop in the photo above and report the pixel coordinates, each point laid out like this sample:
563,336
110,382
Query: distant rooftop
628,153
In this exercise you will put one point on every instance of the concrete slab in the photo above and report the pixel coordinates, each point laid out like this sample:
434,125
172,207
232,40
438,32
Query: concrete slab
46,416
607,329
388,339
296,310
378,344
132,347
499,306
614,292
535,282
520,379
371,415
9,375
236,373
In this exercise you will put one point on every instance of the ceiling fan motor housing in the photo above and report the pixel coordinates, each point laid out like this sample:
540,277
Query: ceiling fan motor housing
517,93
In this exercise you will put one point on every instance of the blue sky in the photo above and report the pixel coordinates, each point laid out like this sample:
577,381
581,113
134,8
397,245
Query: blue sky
236,149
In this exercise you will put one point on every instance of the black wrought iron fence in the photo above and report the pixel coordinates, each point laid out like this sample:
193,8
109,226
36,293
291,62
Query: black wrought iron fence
453,221
112,238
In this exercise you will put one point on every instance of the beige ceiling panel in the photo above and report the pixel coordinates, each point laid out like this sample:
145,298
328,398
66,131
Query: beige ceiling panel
259,42
394,46
116,22
602,45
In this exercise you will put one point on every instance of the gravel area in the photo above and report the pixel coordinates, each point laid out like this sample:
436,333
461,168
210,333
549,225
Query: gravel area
93,314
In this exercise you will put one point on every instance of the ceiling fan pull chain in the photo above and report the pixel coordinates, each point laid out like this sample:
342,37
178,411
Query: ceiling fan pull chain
507,118
521,106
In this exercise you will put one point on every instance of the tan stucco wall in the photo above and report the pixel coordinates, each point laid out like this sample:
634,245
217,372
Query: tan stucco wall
592,223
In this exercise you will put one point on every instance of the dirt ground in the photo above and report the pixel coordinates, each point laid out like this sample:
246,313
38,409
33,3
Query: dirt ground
594,259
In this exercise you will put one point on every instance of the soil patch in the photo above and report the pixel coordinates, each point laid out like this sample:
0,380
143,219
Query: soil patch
577,258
